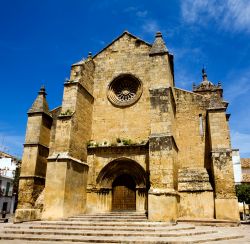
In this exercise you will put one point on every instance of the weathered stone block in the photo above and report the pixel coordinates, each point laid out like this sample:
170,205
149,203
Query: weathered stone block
227,209
193,179
162,205
198,204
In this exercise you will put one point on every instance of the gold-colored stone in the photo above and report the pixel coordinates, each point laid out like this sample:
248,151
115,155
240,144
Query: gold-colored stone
175,144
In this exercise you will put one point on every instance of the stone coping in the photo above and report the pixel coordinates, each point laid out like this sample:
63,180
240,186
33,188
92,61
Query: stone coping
106,189
77,82
34,144
32,176
63,156
216,109
65,116
159,192
161,135
30,114
119,145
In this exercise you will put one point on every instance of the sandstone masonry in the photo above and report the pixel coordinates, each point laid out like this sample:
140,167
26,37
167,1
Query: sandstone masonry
125,138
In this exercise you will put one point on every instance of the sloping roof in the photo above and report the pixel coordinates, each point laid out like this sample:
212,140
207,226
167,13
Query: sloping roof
124,33
7,155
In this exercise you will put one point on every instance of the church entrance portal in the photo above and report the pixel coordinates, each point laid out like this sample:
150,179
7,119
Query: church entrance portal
123,193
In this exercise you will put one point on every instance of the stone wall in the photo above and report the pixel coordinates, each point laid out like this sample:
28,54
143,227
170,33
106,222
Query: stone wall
128,55
108,162
196,193
191,141
245,166
175,144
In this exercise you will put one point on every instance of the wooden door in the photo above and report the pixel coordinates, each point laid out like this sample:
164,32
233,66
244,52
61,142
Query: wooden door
123,197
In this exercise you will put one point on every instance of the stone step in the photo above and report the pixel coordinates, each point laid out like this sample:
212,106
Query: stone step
106,219
124,213
112,214
156,233
102,223
210,222
98,228
111,217
47,242
119,239
111,228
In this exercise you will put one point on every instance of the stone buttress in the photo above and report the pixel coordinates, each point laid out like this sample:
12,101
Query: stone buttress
162,147
67,168
226,203
34,161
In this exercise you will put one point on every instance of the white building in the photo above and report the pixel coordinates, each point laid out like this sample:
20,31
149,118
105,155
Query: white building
236,166
8,165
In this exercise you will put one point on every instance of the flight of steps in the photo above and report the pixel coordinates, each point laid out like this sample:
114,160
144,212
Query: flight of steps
115,227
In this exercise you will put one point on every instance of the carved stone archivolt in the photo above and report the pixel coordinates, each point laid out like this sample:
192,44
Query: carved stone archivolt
124,90
119,167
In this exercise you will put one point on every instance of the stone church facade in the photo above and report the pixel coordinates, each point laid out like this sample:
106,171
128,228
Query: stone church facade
126,139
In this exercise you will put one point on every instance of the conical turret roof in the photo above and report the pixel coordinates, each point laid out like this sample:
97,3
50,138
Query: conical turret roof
159,46
40,105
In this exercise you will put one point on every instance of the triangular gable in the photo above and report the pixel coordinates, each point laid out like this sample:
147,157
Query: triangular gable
124,33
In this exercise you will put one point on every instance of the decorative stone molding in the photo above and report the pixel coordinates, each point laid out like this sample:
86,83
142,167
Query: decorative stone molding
162,142
64,156
193,179
160,192
124,90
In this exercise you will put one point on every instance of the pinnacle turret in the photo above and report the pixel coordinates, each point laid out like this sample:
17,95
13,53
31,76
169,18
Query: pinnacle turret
40,105
204,74
205,83
159,46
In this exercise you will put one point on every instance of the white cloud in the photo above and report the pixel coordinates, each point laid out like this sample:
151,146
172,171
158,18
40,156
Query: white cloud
11,142
231,15
135,10
145,24
142,14
150,26
130,9
187,52
241,141
239,85
183,78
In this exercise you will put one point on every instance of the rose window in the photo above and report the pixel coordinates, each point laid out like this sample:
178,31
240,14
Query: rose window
124,90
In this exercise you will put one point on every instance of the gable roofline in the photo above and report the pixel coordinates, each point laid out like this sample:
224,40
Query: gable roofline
124,33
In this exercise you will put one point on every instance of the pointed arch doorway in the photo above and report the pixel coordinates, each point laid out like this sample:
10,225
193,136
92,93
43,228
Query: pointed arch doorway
123,186
123,193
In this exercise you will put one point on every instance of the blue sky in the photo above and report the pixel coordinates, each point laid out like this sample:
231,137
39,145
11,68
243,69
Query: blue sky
39,40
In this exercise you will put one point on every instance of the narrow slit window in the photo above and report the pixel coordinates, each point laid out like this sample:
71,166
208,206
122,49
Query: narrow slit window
201,125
